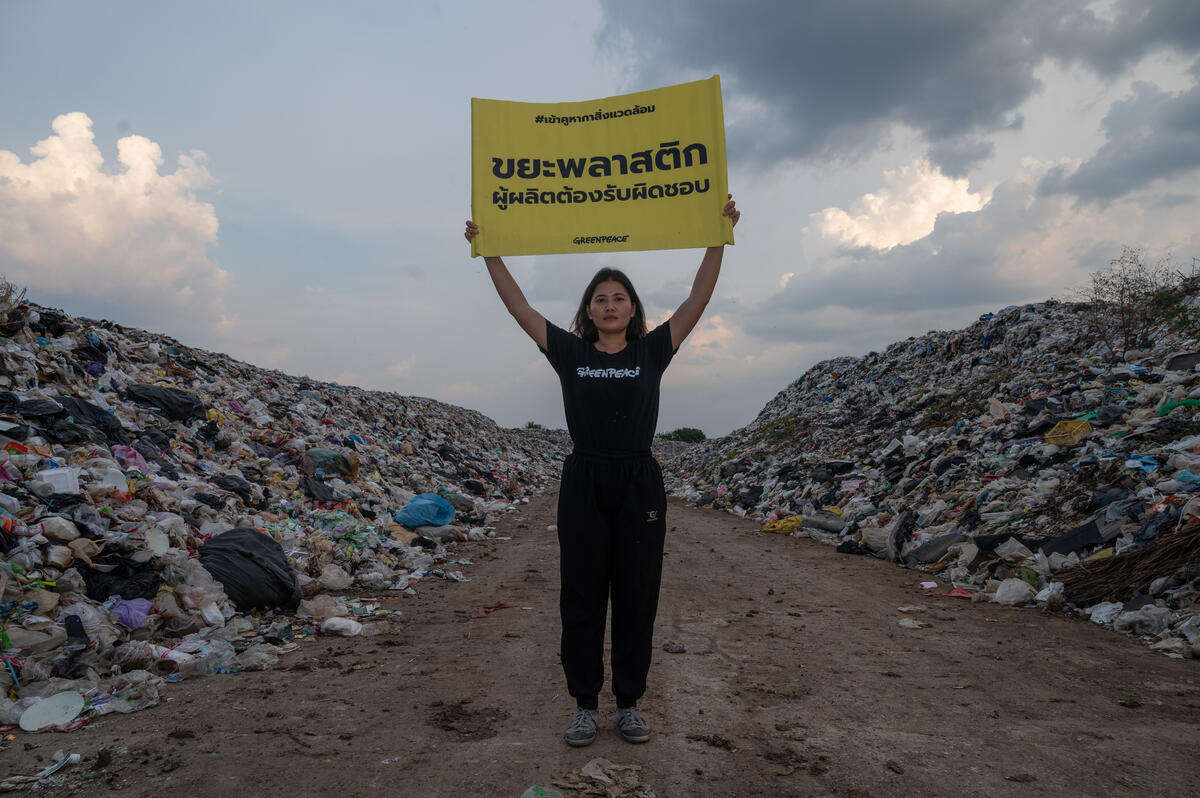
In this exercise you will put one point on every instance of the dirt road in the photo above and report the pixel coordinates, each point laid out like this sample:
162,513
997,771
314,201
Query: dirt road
796,680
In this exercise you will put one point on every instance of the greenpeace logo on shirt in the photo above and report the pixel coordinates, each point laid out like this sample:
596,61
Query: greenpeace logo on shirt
584,371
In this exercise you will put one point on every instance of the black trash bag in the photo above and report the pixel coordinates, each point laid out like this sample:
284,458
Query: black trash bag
1108,415
63,431
948,463
175,404
851,546
13,324
19,432
235,484
89,354
127,579
147,450
316,488
1103,498
9,402
252,569
933,550
209,431
90,415
52,323
57,502
1184,362
158,438
212,500
1081,537
1037,427
91,524
39,408
262,450
154,445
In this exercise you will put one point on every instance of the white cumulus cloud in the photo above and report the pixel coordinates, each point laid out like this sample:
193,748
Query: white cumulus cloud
902,212
70,227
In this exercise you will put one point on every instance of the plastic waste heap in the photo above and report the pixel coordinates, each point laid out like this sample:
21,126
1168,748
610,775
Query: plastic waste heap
1017,459
168,512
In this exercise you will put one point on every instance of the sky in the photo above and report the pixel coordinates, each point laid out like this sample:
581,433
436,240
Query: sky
287,182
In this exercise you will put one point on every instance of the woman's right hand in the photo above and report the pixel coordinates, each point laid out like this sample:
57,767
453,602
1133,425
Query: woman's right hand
472,230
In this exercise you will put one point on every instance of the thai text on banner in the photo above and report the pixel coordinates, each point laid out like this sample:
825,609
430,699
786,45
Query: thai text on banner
633,172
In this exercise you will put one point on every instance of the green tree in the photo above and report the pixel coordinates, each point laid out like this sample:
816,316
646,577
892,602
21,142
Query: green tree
684,435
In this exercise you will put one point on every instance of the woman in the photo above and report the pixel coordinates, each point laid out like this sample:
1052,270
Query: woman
611,501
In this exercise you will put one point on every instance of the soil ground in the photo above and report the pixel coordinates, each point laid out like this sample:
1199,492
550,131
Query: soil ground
796,680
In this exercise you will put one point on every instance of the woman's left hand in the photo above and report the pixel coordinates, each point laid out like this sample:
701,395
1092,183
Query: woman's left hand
731,211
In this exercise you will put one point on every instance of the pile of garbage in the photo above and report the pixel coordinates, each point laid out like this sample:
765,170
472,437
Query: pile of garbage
1018,459
167,511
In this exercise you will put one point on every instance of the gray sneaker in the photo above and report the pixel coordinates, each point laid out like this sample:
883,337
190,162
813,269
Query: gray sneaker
632,725
582,730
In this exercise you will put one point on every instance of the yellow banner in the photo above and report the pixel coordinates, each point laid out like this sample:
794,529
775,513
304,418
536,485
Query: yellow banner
634,172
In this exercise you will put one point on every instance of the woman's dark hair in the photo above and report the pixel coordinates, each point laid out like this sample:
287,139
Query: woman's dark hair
586,329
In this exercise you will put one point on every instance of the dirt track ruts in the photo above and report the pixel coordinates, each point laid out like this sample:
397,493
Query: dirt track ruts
796,680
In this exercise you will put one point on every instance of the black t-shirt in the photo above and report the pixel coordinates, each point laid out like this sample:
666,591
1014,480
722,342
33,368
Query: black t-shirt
611,400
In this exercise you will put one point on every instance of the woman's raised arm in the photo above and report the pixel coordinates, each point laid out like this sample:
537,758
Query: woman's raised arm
688,314
532,322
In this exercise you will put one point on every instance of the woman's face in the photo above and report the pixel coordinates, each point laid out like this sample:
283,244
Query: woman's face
610,309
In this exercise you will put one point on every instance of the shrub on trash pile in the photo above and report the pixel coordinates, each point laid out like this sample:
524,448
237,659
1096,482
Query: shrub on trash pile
1013,459
1130,300
150,492
684,435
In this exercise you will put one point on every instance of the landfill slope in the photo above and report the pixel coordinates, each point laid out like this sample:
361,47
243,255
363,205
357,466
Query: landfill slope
1018,459
168,512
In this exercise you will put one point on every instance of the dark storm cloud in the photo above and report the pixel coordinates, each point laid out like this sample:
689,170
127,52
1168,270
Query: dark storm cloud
828,78
1138,28
1151,135
957,156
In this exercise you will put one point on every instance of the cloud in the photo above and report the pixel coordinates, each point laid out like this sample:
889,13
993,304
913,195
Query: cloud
711,336
957,156
822,80
1151,135
462,391
902,212
71,228
1018,247
1110,43
403,367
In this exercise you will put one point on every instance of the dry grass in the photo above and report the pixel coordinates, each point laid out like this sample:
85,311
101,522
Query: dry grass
10,296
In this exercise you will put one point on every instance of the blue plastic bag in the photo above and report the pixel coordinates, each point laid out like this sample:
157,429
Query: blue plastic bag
427,509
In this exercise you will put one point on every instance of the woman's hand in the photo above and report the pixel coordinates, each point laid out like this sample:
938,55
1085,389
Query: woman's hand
729,210
473,229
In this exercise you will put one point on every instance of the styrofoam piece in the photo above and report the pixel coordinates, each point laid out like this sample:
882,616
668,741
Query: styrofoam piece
53,711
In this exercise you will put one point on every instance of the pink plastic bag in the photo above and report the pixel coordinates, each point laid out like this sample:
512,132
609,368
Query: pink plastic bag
130,457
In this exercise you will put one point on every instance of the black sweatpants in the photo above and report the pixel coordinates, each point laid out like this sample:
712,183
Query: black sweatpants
611,525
